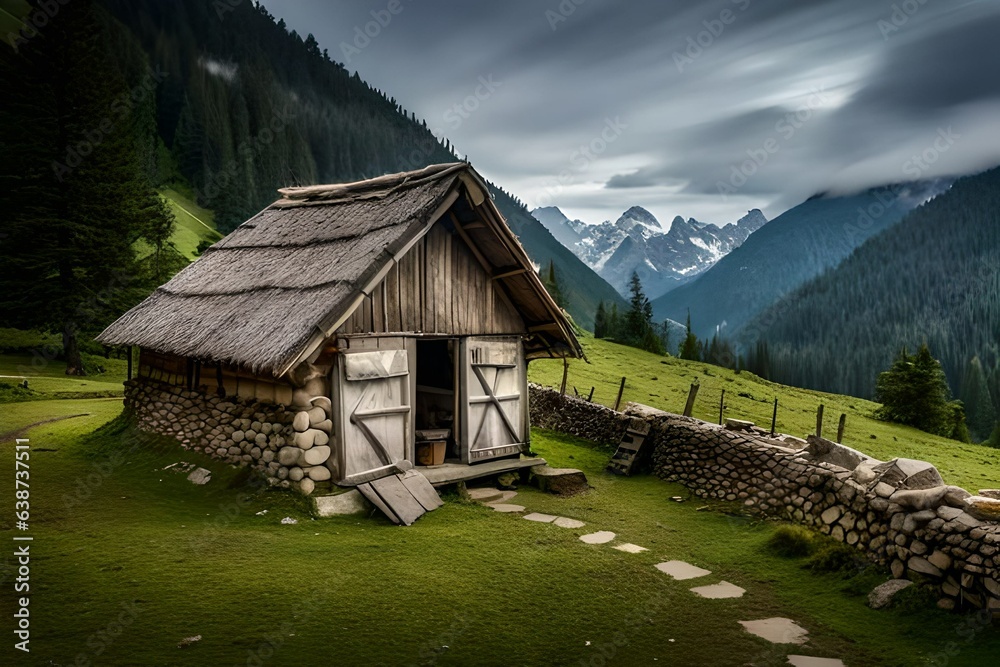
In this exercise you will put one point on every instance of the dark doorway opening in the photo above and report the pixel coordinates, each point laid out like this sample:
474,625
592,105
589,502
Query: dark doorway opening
436,397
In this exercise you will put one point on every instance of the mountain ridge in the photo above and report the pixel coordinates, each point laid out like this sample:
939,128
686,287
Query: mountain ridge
636,241
792,248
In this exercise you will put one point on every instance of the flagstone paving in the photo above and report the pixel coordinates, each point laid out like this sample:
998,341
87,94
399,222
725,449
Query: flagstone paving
600,537
777,630
719,591
809,661
563,522
504,507
680,570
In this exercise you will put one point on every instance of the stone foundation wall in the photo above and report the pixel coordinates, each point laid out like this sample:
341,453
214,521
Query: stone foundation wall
912,530
289,444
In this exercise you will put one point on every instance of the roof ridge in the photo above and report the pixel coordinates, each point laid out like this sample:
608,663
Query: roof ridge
373,188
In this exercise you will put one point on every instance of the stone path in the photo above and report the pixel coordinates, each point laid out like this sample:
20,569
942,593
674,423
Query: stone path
719,591
809,661
777,630
680,570
600,537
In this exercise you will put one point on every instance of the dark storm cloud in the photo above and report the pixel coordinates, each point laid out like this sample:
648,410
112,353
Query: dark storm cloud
954,66
699,88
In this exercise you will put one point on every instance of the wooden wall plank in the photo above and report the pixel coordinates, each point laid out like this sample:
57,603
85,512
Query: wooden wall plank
437,287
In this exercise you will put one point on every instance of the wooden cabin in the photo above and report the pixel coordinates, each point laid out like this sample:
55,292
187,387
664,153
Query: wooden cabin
405,300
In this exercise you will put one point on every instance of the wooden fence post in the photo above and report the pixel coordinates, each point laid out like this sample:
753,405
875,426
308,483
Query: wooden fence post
774,417
620,390
819,421
722,405
689,406
840,428
562,387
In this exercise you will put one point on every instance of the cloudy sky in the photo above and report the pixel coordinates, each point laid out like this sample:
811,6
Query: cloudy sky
701,109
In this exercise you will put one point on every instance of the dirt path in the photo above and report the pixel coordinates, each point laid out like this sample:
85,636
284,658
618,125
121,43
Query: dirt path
11,435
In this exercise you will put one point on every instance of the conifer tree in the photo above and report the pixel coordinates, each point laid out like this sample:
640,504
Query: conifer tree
975,394
689,346
600,321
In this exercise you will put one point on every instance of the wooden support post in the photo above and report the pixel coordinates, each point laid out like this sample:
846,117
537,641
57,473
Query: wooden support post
129,362
562,387
840,428
774,417
689,406
621,389
590,396
819,421
722,405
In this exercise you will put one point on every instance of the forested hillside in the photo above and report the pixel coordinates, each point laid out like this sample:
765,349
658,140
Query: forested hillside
218,103
933,277
248,106
783,254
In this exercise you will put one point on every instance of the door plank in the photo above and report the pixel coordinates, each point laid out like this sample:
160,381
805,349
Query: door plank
398,498
368,492
421,489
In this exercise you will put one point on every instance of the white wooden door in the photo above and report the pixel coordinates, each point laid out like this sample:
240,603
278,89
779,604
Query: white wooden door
375,419
494,398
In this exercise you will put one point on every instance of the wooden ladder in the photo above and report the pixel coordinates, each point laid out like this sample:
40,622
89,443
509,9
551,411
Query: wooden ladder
628,449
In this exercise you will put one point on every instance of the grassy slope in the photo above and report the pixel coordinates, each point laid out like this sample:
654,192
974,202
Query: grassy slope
663,382
48,380
493,588
194,225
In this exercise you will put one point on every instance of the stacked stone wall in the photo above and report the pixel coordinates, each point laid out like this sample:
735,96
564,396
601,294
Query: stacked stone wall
914,531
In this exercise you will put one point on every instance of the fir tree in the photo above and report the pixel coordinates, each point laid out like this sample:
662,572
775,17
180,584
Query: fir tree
689,346
601,321
75,179
975,394
914,392
551,283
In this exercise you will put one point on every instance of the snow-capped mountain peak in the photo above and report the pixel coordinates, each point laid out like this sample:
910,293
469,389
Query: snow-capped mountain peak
637,242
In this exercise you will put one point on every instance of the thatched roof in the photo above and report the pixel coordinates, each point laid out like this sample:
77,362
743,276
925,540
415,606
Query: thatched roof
277,286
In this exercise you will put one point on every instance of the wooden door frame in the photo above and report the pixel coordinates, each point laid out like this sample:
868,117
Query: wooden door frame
465,444
338,459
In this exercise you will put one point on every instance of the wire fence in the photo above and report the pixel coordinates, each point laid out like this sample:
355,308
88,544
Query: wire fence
714,402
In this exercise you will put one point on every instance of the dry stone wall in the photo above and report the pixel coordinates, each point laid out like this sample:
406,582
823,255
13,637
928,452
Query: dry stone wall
899,513
289,444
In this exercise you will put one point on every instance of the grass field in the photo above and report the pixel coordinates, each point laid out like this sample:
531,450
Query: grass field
663,382
47,378
130,559
194,224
